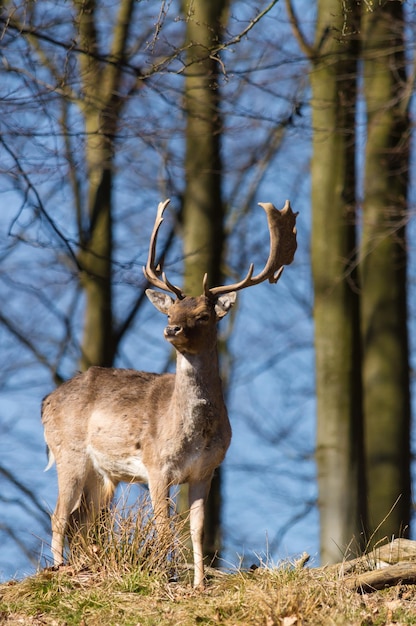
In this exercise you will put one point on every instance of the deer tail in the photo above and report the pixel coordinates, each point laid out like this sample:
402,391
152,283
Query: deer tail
51,458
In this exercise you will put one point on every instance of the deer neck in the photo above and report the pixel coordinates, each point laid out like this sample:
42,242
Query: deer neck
198,388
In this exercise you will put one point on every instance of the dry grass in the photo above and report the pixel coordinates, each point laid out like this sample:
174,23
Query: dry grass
120,576
125,540
279,597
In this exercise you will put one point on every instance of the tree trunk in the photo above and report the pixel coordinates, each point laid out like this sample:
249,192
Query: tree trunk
101,106
203,211
96,279
383,273
337,338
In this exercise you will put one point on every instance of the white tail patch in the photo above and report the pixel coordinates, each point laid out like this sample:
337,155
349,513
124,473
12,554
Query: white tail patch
51,460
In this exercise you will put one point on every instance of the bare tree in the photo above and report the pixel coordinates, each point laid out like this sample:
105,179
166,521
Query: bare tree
203,205
383,272
361,342
340,460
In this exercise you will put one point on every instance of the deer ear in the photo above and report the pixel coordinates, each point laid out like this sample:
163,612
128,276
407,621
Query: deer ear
161,301
224,304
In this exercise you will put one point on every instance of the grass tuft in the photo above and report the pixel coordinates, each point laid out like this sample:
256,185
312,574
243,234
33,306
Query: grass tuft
127,545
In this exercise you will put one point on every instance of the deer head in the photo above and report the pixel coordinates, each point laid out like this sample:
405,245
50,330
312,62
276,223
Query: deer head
191,320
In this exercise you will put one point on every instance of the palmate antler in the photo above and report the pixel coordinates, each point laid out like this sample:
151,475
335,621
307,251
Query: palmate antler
282,229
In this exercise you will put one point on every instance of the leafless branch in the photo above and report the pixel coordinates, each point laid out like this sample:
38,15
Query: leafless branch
28,494
304,45
39,202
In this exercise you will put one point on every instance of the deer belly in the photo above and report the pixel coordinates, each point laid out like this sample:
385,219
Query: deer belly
122,468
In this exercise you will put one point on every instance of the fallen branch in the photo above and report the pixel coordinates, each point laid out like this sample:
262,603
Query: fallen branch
398,574
385,566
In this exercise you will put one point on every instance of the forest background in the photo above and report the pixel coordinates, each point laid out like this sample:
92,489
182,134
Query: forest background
108,108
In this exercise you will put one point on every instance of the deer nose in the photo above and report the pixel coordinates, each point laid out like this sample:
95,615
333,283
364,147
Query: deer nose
172,331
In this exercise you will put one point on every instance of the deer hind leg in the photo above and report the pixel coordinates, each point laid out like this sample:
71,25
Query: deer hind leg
96,496
71,479
198,493
80,495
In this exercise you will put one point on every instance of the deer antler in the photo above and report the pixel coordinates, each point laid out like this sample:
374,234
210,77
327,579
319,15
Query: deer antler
151,272
282,229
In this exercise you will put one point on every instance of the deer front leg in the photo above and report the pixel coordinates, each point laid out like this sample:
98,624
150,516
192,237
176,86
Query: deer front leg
159,495
198,493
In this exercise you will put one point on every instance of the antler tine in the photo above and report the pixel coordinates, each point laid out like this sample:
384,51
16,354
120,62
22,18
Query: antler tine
214,291
151,272
205,285
282,230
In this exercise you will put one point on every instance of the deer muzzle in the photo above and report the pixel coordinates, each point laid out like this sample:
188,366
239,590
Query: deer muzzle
173,331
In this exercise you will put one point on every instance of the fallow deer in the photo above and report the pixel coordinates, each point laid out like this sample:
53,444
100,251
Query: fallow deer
110,425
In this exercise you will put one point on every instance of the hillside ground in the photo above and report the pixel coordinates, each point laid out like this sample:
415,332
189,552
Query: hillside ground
284,596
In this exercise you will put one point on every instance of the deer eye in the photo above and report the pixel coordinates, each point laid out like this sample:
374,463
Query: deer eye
203,318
